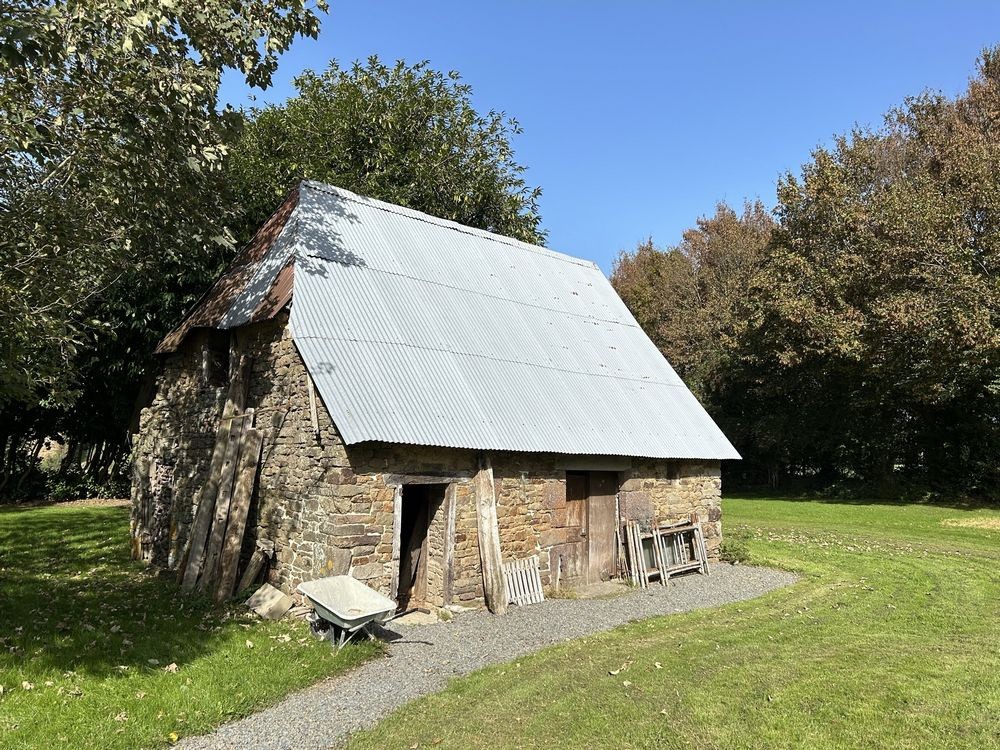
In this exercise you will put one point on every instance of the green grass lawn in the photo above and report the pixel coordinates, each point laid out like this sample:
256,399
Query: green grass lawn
890,640
96,652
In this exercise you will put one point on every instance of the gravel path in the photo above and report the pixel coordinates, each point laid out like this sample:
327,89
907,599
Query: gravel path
426,657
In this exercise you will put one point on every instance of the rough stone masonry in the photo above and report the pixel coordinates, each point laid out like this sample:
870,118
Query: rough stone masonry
315,495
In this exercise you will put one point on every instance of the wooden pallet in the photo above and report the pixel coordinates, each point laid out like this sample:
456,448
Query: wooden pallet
523,581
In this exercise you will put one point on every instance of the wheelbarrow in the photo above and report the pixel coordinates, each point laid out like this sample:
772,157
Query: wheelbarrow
349,604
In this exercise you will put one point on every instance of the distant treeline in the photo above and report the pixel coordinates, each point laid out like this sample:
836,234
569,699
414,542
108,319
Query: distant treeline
852,338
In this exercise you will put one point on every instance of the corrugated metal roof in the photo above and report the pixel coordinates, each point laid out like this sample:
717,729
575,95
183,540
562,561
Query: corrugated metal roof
422,331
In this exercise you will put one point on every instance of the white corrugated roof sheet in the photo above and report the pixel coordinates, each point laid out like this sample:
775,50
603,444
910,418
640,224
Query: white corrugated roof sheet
421,331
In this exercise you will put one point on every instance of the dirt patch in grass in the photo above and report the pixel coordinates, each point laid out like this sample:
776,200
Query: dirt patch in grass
990,524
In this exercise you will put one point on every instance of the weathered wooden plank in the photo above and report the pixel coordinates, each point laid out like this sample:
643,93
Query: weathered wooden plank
593,463
640,561
246,478
253,569
213,550
538,581
660,556
449,542
313,411
703,551
393,479
397,521
494,590
194,552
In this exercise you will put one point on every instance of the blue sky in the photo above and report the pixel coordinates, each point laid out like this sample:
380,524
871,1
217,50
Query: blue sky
639,116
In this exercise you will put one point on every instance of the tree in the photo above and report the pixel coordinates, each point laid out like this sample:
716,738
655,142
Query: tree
691,299
110,146
859,337
887,291
404,134
428,149
112,208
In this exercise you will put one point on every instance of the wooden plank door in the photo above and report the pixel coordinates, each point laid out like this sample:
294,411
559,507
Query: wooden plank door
601,521
573,551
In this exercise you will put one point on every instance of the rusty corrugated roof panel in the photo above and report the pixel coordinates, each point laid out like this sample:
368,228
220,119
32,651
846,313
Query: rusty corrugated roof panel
215,308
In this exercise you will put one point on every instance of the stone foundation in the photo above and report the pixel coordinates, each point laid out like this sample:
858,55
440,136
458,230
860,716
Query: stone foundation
315,495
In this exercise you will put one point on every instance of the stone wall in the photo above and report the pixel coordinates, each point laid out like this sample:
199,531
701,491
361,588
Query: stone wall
675,490
315,495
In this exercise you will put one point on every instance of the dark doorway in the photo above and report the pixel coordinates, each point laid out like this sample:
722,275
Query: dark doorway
420,504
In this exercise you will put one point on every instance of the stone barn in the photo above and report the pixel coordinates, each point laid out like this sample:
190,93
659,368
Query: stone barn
426,393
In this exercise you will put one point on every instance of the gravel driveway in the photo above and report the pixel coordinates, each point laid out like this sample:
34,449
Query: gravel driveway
426,657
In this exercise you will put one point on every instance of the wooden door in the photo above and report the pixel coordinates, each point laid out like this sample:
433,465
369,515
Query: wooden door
573,552
601,522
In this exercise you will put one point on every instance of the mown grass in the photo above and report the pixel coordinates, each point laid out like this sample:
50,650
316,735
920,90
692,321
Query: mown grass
890,640
96,652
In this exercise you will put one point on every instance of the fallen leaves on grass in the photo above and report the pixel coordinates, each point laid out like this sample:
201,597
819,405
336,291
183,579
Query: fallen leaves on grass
620,669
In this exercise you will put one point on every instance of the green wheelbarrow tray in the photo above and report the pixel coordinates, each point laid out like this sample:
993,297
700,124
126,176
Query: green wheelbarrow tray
347,603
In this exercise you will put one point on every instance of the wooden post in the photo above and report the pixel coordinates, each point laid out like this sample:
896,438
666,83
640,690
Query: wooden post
494,590
246,476
213,551
449,542
313,412
397,520
194,553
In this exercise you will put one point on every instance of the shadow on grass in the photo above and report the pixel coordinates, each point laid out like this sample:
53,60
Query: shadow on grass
71,600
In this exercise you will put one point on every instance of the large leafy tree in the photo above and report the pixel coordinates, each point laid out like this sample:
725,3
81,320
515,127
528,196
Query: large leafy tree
887,291
110,141
111,195
407,134
859,336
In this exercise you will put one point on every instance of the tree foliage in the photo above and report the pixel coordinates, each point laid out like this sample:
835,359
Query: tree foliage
863,337
110,146
406,134
111,200
130,259
690,298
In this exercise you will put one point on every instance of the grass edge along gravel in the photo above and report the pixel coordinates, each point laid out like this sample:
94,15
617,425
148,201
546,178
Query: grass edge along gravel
891,640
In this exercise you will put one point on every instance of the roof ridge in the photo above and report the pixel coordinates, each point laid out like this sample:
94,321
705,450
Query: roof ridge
412,213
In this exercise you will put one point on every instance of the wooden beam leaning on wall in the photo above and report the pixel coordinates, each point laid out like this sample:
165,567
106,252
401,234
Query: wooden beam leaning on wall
213,548
191,562
449,543
494,588
397,520
243,484
263,553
